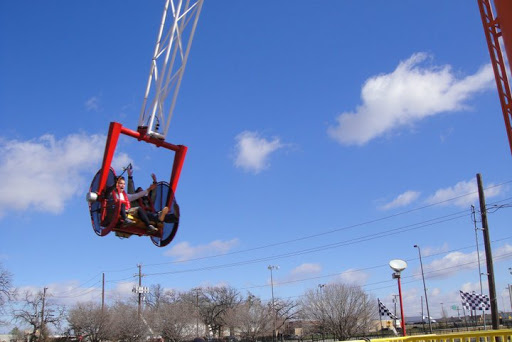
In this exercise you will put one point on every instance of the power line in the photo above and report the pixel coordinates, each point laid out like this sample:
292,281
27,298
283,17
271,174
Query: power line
501,256
429,274
344,243
330,231
389,232
360,239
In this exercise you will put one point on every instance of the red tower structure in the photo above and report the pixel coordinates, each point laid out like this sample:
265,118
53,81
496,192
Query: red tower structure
494,28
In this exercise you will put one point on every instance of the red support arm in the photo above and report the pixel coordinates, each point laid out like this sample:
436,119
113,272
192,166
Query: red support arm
116,129
177,165
110,147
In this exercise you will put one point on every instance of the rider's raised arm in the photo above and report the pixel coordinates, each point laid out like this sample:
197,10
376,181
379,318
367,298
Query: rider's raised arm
152,194
131,184
137,195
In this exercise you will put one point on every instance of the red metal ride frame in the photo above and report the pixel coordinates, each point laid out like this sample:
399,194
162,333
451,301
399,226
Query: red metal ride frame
115,130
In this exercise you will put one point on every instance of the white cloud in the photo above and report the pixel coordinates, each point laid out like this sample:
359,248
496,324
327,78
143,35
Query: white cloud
253,152
306,269
92,104
474,287
184,251
46,172
451,263
67,293
410,93
435,292
455,262
402,200
353,276
427,251
124,289
464,192
121,160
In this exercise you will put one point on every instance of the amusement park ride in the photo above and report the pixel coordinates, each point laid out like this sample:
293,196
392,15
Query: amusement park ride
166,72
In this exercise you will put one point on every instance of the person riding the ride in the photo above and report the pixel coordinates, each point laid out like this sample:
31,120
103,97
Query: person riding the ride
147,202
120,196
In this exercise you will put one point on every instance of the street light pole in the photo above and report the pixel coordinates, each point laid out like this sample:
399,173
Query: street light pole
272,267
424,289
398,266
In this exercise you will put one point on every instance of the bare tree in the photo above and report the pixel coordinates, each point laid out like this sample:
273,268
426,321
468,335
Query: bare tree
125,324
7,291
285,310
31,313
155,297
341,309
89,321
213,304
251,317
174,321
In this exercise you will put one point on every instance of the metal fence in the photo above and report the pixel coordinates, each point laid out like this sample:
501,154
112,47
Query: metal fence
503,335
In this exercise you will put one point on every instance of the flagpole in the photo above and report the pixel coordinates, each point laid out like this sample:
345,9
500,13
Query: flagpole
380,316
465,318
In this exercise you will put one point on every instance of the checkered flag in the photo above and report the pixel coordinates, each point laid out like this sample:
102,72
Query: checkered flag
475,301
383,311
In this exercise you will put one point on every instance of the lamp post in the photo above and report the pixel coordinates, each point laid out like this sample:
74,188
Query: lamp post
398,266
424,289
272,267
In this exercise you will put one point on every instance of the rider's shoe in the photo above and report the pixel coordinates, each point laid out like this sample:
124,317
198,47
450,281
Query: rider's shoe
161,214
152,229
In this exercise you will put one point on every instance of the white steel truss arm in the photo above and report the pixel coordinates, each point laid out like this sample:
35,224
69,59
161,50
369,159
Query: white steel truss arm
168,64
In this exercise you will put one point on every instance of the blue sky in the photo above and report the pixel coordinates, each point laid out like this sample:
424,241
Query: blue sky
325,137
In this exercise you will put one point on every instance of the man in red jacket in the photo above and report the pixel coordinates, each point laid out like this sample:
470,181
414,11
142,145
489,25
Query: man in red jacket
119,194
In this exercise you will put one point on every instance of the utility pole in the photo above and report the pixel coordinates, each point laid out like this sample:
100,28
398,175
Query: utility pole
197,317
425,290
510,294
139,290
274,333
488,254
473,213
103,294
41,334
394,301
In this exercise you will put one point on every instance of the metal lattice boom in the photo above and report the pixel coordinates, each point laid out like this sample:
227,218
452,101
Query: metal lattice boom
168,65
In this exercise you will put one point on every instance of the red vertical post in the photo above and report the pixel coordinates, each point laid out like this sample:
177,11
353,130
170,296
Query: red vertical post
401,307
114,131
